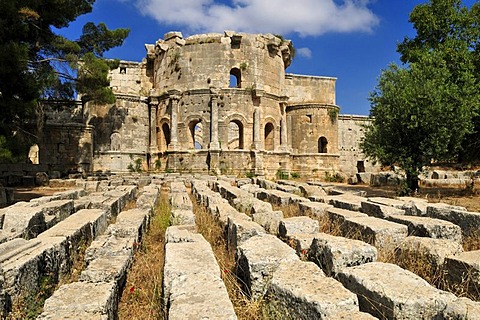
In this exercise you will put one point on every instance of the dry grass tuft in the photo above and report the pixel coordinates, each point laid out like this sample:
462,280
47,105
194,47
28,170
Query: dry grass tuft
141,298
289,211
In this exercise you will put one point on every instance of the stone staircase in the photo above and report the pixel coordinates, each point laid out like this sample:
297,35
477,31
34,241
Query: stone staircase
300,271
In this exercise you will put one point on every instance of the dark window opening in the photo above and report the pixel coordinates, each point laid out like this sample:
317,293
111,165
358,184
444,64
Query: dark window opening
269,136
360,166
322,145
235,41
123,70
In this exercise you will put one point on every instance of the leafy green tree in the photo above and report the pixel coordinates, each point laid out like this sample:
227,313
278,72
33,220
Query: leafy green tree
425,110
38,64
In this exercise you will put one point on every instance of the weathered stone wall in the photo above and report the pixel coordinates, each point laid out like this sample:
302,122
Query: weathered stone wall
131,78
310,89
350,134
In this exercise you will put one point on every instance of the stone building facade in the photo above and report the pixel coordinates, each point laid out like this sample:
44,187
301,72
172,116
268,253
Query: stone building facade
220,103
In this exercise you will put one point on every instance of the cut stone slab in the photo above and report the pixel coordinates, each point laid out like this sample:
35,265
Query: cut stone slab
180,201
257,259
432,251
379,210
182,217
186,233
300,290
82,300
313,209
332,254
302,244
389,292
21,220
130,223
462,309
429,227
192,285
338,216
347,201
387,202
55,211
240,230
468,221
297,225
464,269
350,315
378,232
270,220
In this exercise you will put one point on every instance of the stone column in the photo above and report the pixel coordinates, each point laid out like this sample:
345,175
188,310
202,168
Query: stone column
283,128
214,144
256,129
174,123
152,106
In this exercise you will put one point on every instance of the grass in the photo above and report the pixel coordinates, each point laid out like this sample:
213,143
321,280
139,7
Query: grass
141,298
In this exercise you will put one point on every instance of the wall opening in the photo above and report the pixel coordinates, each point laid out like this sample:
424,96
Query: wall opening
196,134
235,135
235,78
322,145
165,137
360,166
269,136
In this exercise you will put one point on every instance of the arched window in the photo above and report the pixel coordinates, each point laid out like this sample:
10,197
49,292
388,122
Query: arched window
196,132
322,145
166,135
235,135
235,78
269,136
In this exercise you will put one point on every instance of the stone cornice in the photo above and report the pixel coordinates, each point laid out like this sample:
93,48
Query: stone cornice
309,106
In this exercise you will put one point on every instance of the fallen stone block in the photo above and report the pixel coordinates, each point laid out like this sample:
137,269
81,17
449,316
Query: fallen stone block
297,225
269,220
332,254
185,233
406,297
432,252
313,209
378,232
21,220
347,201
338,216
379,210
180,201
257,259
131,223
462,309
300,290
240,230
82,300
463,270
387,202
468,221
429,227
72,194
182,216
192,284
178,187
302,243
289,189
349,315
56,211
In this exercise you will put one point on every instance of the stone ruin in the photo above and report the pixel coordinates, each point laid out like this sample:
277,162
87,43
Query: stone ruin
210,103
301,272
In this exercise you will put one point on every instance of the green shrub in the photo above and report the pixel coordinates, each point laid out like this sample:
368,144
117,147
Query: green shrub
334,177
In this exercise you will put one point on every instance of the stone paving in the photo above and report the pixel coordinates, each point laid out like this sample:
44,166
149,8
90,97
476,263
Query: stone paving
292,263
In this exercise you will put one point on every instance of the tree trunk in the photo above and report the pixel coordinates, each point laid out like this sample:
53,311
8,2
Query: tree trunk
412,181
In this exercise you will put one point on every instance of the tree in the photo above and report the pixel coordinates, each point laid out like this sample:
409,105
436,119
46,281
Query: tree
37,64
424,110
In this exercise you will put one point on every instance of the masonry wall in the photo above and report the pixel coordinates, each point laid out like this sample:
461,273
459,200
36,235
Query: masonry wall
310,89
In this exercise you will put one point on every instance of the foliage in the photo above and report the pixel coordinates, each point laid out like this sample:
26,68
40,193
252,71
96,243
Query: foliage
282,175
333,177
36,63
135,166
333,114
423,111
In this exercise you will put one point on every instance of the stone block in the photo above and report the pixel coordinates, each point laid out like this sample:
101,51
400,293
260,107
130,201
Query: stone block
347,201
300,290
302,243
338,216
313,209
379,210
297,225
389,292
269,220
192,284
463,270
257,259
432,251
21,220
429,227
82,300
185,233
468,221
375,231
182,216
332,253
56,211
131,223
240,230
462,309
180,201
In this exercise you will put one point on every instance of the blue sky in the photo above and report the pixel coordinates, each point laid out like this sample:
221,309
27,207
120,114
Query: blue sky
352,40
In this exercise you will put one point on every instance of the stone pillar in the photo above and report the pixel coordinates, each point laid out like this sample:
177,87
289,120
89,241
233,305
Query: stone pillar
153,127
256,129
283,128
174,123
214,144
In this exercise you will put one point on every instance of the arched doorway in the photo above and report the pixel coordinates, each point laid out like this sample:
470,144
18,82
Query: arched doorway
269,136
235,135
322,145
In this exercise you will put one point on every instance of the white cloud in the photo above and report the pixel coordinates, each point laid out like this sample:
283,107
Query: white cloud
304,17
304,52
